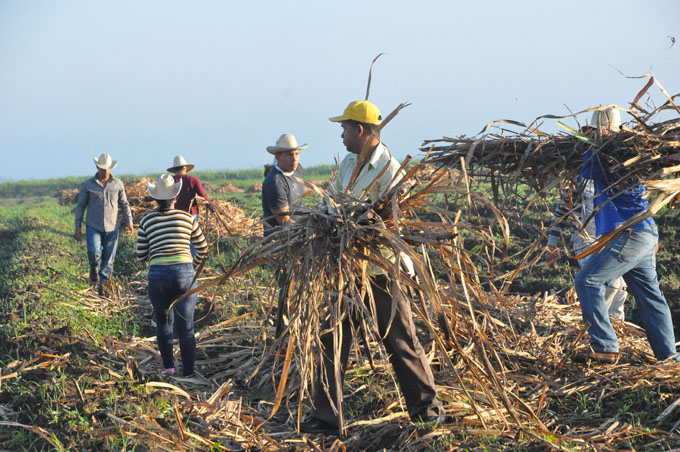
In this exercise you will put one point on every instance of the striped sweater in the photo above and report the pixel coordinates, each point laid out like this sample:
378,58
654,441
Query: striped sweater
166,236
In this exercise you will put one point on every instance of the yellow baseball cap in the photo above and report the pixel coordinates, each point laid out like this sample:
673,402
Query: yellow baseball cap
360,111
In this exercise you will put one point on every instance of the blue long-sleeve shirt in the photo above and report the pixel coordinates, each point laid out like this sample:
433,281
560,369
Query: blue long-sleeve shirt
617,205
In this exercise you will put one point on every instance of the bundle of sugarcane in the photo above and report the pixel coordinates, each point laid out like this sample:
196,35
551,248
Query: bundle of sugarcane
325,255
645,148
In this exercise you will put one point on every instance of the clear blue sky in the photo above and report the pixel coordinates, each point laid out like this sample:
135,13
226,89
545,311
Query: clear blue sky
218,81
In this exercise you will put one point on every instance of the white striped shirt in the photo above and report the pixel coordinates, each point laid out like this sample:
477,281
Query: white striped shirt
168,235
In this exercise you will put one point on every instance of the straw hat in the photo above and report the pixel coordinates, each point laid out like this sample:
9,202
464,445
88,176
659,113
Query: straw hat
360,111
609,119
104,161
179,162
164,188
286,142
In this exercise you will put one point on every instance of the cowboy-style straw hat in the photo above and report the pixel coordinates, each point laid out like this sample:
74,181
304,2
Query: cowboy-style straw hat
609,119
164,188
104,161
286,142
178,163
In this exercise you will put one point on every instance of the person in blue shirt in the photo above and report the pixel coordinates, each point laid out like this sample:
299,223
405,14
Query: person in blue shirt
631,254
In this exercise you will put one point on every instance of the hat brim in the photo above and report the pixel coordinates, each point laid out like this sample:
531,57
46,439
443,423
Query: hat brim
112,166
276,149
188,166
164,194
340,118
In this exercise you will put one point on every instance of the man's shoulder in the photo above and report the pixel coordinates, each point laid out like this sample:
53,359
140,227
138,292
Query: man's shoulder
384,155
88,181
271,180
383,158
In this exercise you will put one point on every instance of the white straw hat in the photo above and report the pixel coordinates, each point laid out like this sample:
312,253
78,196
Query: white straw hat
164,188
179,162
286,142
609,119
104,161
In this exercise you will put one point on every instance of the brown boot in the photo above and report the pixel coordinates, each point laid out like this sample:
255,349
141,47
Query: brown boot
103,290
596,357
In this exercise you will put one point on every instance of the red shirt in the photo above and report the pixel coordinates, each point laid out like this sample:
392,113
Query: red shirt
191,187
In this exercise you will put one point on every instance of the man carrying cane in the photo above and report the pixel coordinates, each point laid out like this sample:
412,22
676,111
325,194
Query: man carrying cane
369,159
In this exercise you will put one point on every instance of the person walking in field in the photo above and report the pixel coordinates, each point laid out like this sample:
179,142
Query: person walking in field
163,239
103,196
631,254
360,122
191,188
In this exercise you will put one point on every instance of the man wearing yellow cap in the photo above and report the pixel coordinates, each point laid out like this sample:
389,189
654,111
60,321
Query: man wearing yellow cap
361,137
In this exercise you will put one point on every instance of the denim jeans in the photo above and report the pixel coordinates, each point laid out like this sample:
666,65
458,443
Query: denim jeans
631,255
101,251
166,283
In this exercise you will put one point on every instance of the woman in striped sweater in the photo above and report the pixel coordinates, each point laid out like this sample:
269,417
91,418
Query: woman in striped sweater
163,239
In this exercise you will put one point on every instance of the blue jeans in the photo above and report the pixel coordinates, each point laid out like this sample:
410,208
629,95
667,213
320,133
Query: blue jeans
166,283
101,251
631,255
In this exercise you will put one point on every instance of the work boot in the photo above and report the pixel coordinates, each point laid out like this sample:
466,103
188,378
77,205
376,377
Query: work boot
94,276
103,291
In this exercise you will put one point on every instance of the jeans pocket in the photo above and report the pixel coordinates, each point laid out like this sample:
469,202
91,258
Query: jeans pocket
185,277
638,244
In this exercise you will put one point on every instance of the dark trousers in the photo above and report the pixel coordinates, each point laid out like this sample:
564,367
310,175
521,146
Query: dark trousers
407,356
167,282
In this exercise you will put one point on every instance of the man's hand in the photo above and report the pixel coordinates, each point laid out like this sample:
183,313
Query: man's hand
78,234
129,229
551,255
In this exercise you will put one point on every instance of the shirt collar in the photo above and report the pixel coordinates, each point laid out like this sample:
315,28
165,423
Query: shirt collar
98,182
375,158
377,154
289,174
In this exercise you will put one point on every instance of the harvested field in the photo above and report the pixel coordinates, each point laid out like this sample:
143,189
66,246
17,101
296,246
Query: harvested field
520,348
503,362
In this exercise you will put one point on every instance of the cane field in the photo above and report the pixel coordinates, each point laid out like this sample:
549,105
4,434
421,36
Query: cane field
79,372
